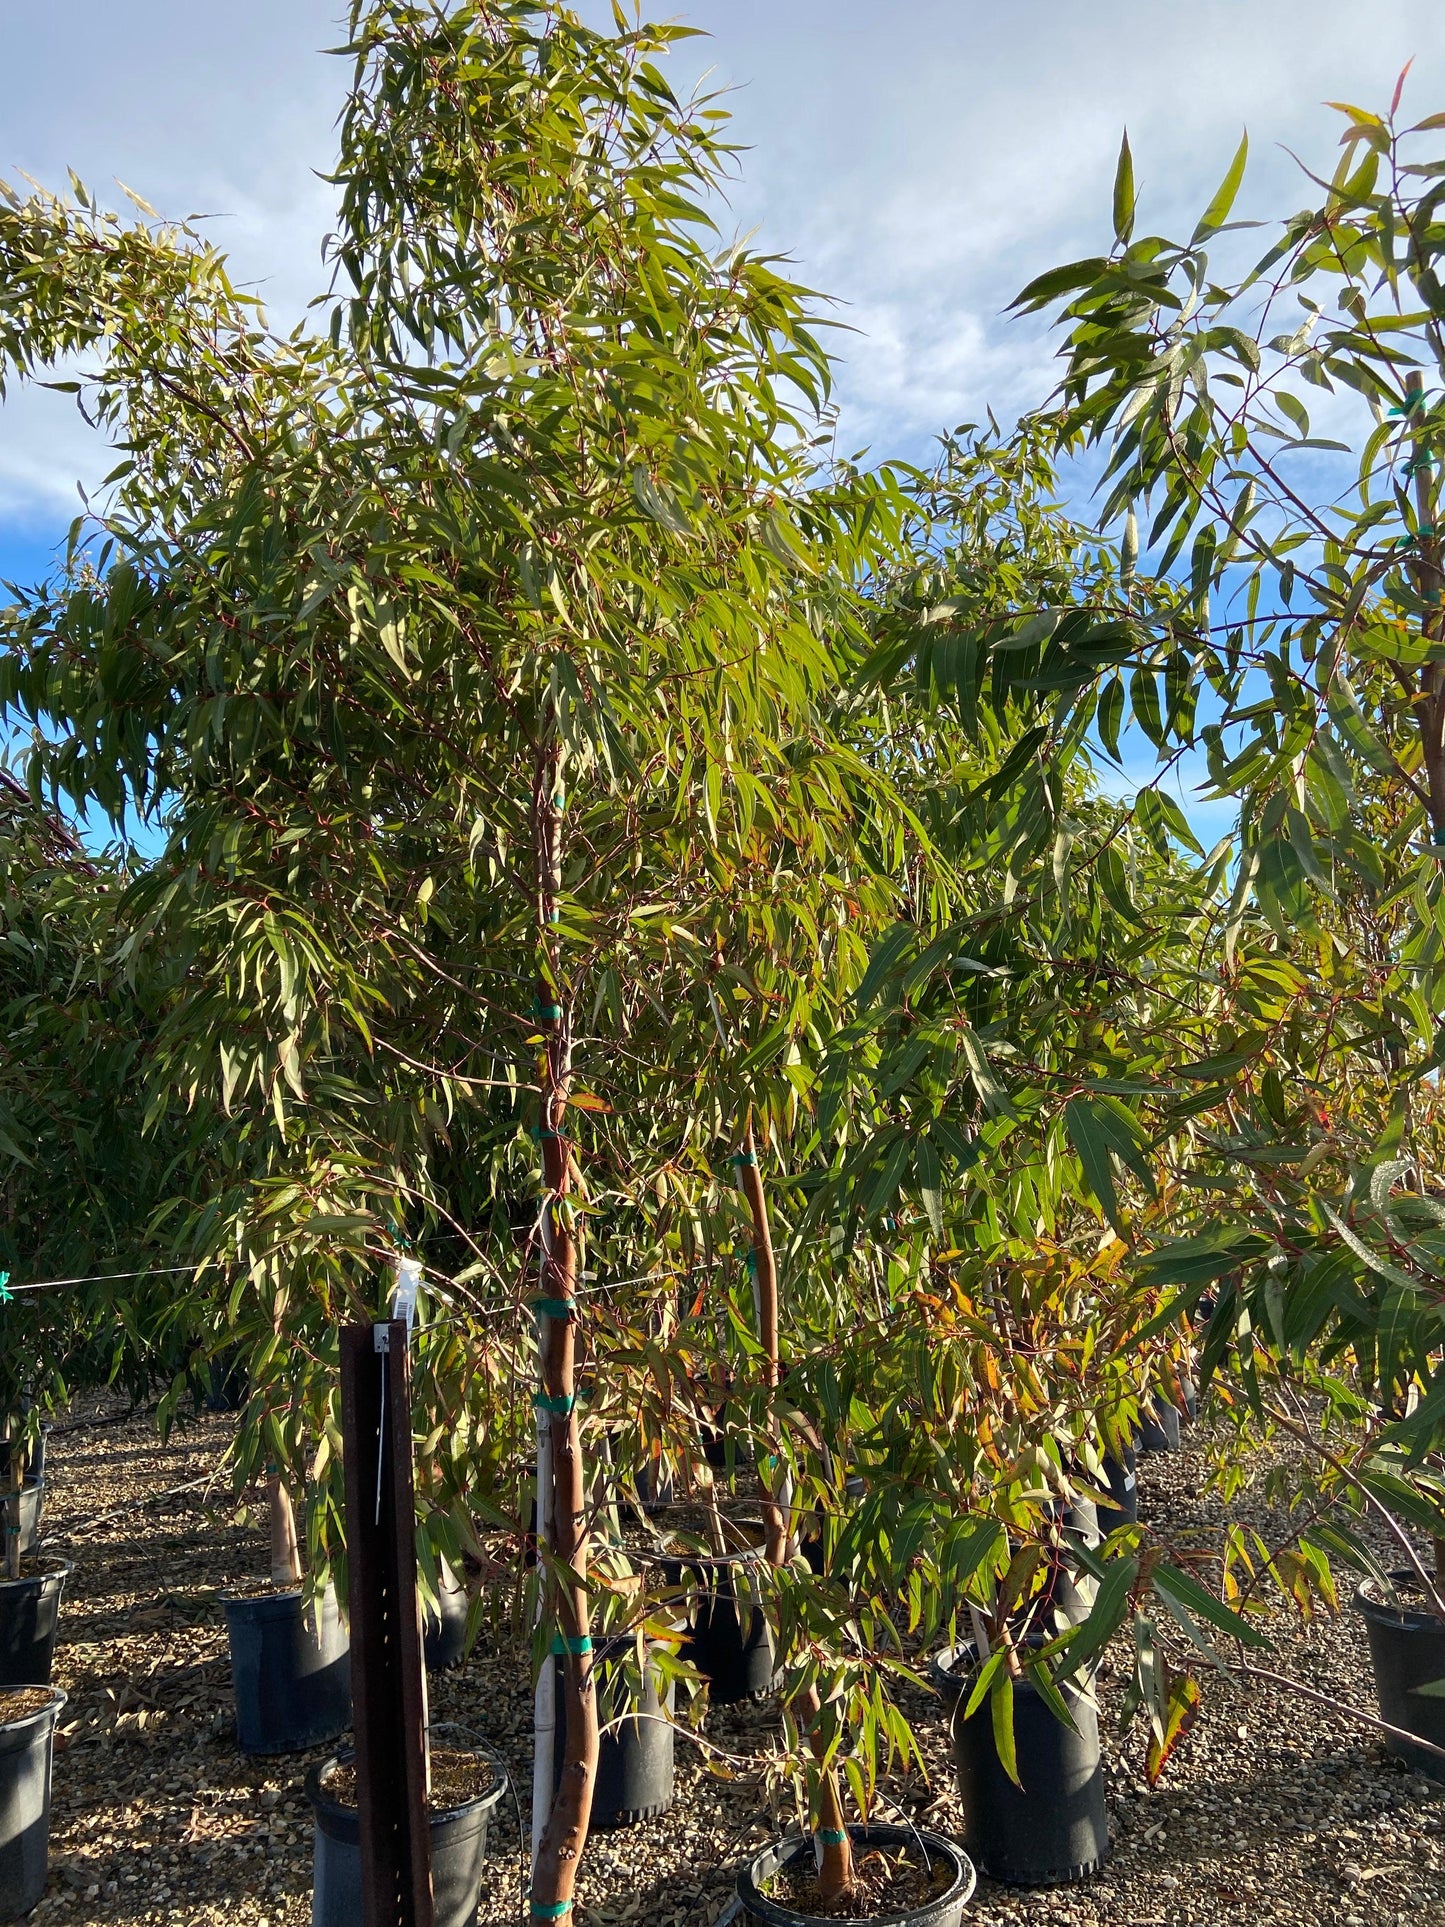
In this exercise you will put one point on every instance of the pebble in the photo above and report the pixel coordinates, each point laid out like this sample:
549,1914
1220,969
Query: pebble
1270,1810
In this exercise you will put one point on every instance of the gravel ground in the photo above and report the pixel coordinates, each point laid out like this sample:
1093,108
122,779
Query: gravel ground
1275,1809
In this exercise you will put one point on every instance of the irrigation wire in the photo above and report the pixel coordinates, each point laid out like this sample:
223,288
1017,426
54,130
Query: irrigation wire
113,1277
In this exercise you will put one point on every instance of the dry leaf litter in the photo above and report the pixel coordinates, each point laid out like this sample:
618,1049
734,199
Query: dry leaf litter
1276,1809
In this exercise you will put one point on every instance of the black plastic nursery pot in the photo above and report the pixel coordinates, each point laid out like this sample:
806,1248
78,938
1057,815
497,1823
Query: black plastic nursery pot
656,1487
956,1880
26,1743
1122,1478
1069,1589
634,1759
1407,1649
812,1542
444,1627
1159,1426
458,1838
727,1638
1055,1826
226,1385
29,1616
292,1681
32,1499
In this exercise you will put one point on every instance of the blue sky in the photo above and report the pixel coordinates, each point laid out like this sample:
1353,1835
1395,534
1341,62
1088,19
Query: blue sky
918,159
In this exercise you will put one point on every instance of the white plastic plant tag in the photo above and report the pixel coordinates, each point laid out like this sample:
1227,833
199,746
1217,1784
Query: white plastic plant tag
403,1297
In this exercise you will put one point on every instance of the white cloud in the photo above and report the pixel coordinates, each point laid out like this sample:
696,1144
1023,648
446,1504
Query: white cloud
919,159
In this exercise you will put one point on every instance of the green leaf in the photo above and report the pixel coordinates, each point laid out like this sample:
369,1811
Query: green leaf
1093,1146
925,1165
886,956
1001,1710
983,1684
1044,1686
1293,409
1217,212
658,502
1124,196
1056,281
1380,1266
1111,714
1106,1615
1182,1587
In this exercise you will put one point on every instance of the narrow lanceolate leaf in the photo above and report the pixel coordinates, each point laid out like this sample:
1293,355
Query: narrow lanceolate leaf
1093,1150
1184,1588
1124,197
1001,1710
1106,1615
1217,213
1182,1710
926,1167
1367,1255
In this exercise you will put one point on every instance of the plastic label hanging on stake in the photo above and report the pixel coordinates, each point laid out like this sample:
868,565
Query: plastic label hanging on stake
403,1297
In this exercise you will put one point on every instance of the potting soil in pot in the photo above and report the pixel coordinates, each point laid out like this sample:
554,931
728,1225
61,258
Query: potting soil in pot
22,1702
895,1882
456,1778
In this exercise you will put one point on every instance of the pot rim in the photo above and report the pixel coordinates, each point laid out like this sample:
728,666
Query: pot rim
58,1698
321,1800
232,1596
793,1847
1400,1618
953,1688
738,1556
60,1568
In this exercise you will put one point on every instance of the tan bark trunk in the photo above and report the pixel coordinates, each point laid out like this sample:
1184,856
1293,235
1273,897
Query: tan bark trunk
835,1870
559,1851
285,1552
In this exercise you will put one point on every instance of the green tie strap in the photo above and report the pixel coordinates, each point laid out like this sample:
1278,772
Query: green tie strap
554,1307
574,1643
832,1836
550,1909
559,1405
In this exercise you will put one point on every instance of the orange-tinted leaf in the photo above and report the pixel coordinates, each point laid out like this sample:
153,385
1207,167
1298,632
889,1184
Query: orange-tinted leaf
1184,1698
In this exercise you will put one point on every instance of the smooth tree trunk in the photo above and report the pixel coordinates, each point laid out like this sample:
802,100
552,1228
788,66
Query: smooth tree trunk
558,1853
835,1849
285,1552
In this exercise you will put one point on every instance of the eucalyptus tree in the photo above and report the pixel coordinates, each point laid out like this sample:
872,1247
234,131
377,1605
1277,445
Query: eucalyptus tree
1282,432
438,640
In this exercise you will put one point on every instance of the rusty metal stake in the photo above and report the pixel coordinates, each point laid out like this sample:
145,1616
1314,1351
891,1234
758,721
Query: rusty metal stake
388,1702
